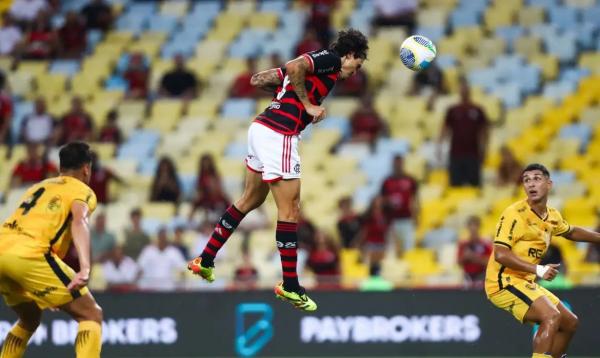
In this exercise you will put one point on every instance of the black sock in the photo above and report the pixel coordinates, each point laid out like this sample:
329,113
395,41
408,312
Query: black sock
287,244
225,227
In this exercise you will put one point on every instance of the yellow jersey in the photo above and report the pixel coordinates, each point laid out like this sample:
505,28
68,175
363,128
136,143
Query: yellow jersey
528,236
41,224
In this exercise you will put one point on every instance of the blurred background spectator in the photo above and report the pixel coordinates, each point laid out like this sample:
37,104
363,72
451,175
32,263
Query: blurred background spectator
366,124
324,261
210,196
41,41
348,224
72,36
396,13
76,124
245,276
26,11
101,179
135,236
509,170
374,232
166,186
98,15
466,126
241,85
400,195
39,126
179,82
34,168
137,76
309,42
120,271
110,131
10,35
474,253
161,265
102,241
179,243
6,110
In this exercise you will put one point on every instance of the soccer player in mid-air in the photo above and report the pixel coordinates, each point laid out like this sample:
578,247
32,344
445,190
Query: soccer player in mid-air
52,214
522,237
273,161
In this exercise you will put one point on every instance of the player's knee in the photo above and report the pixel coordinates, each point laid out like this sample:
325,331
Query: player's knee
93,314
552,318
570,323
30,324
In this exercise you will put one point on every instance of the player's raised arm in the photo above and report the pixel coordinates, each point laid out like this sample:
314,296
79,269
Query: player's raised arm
577,233
81,239
296,71
267,80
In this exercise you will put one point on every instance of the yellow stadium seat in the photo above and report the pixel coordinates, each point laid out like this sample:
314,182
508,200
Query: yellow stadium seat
105,151
421,262
118,37
495,17
528,46
264,20
203,108
133,109
6,64
153,37
341,107
529,16
549,65
591,61
34,68
51,86
149,48
21,83
98,109
160,211
211,51
240,7
439,177
174,8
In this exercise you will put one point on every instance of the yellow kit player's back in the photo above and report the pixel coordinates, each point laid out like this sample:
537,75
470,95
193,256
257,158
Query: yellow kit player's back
39,225
33,240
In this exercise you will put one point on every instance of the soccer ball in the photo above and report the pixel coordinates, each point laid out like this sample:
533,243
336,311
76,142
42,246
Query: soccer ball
417,52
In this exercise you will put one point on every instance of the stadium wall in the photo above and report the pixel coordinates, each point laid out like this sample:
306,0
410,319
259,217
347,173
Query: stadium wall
224,324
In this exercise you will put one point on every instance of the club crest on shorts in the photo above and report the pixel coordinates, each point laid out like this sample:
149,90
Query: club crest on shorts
297,168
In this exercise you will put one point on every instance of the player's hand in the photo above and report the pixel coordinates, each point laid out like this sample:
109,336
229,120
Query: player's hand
79,281
317,112
548,272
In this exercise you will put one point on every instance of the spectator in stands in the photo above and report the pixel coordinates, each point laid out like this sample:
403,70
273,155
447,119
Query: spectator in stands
320,18
72,36
41,42
400,197
110,132
100,180
102,242
98,15
179,82
210,195
241,87
10,36
324,261
245,276
366,124
178,242
348,225
306,231
308,43
120,271
6,110
137,75
429,83
34,168
375,230
135,237
166,187
509,170
76,125
396,13
38,127
355,86
467,127
161,265
26,11
473,253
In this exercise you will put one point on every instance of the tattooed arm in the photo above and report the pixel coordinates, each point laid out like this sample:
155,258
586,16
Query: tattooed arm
266,80
296,71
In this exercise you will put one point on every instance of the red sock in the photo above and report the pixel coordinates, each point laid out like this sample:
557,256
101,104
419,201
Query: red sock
225,227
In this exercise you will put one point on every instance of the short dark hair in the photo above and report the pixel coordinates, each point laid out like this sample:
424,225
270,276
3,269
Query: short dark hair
351,40
536,166
74,155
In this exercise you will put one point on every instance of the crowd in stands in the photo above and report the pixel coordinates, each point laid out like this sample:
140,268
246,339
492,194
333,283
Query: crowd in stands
386,227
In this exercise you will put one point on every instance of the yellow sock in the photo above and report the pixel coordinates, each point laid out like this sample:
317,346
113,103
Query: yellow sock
541,355
15,342
89,340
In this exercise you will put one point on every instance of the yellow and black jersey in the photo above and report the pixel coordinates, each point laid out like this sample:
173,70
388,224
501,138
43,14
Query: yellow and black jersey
41,224
528,236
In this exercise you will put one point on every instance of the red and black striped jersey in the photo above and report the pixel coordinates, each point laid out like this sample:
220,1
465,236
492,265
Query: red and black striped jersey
286,114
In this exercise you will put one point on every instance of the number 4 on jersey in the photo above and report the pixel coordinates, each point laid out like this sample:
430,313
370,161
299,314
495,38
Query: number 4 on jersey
30,203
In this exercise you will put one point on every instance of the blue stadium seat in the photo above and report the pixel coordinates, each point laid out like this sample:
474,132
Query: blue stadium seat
93,37
116,82
132,23
364,195
486,78
188,186
557,90
509,93
147,167
563,177
444,61
377,167
478,5
547,4
591,14
392,146
67,67
506,66
581,131
141,8
340,123
433,33
461,18
239,108
510,34
236,150
207,8
279,6
562,46
21,109
565,17
528,78
585,34
163,24
574,74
